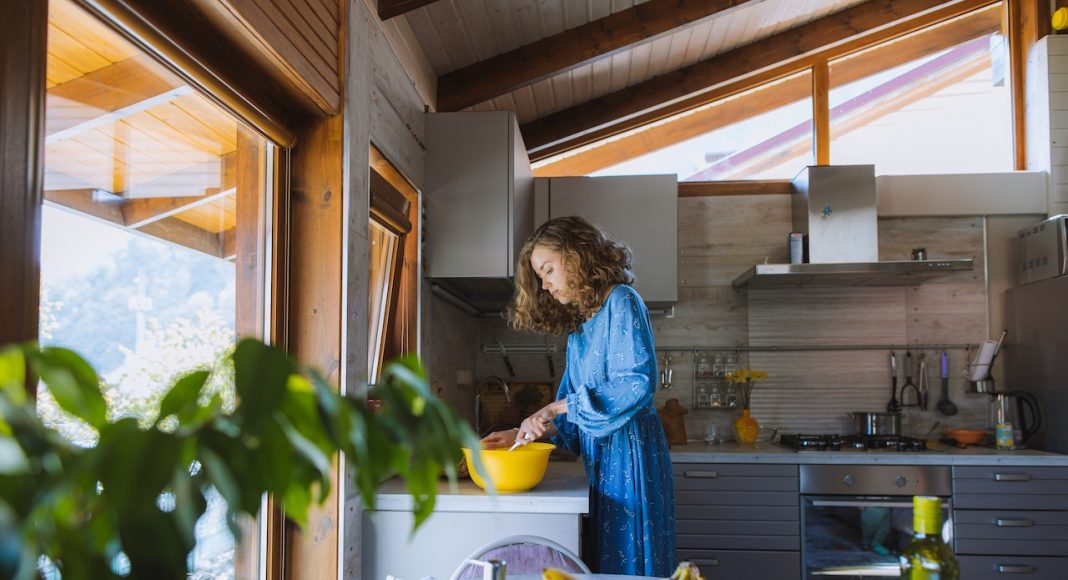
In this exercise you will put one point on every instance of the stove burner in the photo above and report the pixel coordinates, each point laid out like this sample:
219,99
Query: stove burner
802,442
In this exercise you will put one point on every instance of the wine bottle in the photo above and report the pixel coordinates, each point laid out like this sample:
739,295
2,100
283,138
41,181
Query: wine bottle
927,557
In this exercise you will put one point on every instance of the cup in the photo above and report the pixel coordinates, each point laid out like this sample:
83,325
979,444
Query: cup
713,434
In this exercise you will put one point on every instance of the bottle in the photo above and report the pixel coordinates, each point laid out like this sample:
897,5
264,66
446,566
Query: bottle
717,366
702,396
703,368
927,557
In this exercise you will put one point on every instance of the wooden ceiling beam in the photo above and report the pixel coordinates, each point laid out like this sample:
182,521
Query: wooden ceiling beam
786,91
107,95
775,57
184,234
93,203
392,8
572,48
137,213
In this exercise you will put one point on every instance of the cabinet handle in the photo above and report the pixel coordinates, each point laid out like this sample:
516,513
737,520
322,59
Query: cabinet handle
1016,569
704,474
1012,477
1013,523
709,561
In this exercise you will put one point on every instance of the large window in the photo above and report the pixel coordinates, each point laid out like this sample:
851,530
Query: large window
153,245
936,100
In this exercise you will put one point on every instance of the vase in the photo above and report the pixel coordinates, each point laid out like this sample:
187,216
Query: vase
746,428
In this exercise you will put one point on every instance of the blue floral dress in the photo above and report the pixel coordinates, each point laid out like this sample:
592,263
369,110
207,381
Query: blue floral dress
611,422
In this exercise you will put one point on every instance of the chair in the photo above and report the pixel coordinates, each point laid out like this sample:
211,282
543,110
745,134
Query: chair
523,555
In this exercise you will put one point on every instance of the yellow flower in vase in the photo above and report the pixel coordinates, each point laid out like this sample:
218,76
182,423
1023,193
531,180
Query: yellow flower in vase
746,427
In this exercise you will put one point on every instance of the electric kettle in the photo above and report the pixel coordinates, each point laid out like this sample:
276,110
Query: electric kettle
1018,408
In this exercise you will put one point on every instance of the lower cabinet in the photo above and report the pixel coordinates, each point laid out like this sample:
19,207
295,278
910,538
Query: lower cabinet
1011,521
738,520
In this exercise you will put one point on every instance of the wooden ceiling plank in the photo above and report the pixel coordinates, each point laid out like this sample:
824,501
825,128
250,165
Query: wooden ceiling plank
842,72
120,87
835,35
89,31
392,8
82,57
117,115
569,49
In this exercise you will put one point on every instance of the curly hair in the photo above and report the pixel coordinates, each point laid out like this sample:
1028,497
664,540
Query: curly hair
593,263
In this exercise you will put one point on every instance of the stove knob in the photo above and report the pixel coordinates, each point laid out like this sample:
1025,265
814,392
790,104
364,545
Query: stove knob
901,481
848,480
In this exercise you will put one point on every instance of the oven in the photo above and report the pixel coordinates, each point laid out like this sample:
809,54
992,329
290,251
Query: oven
856,519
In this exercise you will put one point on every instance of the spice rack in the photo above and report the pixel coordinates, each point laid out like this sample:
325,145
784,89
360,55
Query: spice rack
711,389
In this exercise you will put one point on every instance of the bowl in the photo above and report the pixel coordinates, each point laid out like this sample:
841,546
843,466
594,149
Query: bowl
512,471
965,437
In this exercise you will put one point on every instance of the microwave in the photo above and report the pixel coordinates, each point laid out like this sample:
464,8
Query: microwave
1044,249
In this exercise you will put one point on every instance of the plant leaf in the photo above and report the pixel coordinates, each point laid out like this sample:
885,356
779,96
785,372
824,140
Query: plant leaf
183,395
73,383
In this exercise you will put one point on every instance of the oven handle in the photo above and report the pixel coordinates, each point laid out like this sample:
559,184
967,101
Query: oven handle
864,503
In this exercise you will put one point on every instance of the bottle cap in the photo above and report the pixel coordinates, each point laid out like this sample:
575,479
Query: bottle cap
926,514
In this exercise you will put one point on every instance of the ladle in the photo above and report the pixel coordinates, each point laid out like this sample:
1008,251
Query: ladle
945,406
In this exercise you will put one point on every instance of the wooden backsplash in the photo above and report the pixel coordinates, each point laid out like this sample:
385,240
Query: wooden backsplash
719,238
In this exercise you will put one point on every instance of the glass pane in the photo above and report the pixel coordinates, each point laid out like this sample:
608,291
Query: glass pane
764,133
945,109
153,253
383,258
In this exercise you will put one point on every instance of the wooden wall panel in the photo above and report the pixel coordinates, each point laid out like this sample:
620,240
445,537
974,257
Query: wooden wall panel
315,299
22,89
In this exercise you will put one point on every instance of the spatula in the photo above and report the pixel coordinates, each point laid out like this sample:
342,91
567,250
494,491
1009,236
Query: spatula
518,441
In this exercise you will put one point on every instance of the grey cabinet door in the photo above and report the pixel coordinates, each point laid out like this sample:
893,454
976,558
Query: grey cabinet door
641,210
744,565
1004,567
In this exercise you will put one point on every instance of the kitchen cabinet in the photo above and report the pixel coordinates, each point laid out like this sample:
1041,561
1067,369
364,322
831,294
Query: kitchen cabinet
479,198
738,520
641,210
1010,520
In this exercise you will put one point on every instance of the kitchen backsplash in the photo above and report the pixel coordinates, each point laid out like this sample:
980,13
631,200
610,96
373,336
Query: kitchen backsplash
807,391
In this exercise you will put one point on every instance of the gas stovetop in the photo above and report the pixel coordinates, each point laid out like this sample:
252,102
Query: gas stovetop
853,443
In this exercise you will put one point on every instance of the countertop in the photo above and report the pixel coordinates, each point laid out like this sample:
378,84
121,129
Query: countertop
699,452
564,490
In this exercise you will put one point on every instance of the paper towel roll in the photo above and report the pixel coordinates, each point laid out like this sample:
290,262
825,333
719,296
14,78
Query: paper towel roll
980,367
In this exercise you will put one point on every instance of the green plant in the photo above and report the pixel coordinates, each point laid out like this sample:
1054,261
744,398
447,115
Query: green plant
83,507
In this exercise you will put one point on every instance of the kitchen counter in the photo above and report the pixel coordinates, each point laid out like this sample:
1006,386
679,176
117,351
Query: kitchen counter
699,452
563,491
466,518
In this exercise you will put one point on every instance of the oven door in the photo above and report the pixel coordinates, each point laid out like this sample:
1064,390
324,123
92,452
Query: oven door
856,536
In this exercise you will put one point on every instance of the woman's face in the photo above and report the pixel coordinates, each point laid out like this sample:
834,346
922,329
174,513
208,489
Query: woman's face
549,267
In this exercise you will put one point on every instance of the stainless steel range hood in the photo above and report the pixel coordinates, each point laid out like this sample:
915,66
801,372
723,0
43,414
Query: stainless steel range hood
834,208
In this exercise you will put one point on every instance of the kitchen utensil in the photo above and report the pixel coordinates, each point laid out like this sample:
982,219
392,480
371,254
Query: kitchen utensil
1019,409
945,406
876,423
893,406
965,437
518,441
922,378
511,471
504,357
909,385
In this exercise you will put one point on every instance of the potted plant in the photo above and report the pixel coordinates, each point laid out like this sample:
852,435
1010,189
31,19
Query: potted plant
128,504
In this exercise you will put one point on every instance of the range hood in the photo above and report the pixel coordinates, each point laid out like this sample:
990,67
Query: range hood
834,208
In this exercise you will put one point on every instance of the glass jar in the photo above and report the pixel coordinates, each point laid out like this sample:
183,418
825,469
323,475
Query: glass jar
715,396
702,396
730,397
717,366
703,366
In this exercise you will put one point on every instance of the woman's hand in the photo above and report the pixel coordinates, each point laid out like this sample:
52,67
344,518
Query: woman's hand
499,439
541,422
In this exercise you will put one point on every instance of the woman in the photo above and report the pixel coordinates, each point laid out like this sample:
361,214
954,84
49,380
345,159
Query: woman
572,279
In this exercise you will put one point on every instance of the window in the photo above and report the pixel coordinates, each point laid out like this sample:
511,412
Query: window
937,101
153,247
394,260
764,133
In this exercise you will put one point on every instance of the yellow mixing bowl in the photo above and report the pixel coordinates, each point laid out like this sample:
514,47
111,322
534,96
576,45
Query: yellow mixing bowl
512,471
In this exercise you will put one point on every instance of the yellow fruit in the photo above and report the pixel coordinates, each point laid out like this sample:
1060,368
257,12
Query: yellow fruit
555,574
687,571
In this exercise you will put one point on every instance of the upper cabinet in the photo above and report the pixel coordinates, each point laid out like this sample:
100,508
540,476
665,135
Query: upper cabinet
641,210
479,199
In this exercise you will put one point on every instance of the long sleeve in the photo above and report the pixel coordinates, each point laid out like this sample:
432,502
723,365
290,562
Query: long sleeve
620,368
567,432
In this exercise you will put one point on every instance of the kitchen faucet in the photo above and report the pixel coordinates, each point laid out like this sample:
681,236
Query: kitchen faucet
488,382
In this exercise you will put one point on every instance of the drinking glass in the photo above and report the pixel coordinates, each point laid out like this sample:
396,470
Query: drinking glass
713,434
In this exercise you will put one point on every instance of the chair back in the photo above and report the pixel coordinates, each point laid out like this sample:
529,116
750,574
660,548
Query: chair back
523,555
